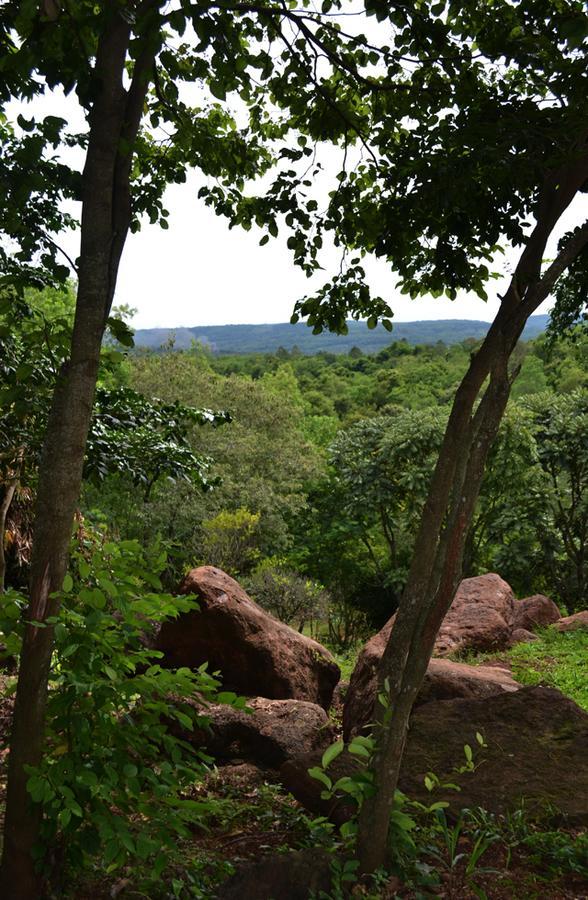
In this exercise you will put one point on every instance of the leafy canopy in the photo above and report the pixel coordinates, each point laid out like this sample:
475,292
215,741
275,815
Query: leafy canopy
447,115
144,439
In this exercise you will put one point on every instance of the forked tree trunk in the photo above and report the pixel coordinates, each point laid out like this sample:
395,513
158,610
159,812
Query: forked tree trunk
438,554
114,123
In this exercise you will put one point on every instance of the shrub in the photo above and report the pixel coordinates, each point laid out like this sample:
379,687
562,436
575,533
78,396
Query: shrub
293,598
231,541
115,779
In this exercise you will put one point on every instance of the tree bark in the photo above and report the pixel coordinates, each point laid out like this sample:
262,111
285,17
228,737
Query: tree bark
9,490
438,554
106,214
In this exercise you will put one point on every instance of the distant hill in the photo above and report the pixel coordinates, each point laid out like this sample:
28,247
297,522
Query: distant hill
224,339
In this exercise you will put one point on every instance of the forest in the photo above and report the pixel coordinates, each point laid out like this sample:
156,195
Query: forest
294,625
303,478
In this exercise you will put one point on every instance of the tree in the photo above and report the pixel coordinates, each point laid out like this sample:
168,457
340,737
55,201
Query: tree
510,508
126,63
561,424
129,435
289,596
33,342
262,455
474,119
382,468
478,138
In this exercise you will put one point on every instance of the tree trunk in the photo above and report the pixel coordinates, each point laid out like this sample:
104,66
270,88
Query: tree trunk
405,660
9,489
438,554
114,123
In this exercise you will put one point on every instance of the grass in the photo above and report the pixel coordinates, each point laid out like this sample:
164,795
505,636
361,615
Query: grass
346,660
558,659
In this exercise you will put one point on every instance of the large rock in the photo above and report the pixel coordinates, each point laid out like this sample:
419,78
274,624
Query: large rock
522,636
573,623
358,705
281,876
536,739
480,618
448,680
275,731
256,654
445,680
533,612
537,743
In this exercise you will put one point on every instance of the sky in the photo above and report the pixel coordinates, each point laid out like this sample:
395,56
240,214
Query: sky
199,272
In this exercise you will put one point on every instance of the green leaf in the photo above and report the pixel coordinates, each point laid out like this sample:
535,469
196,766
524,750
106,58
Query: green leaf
319,775
218,90
402,821
348,829
64,817
331,753
127,841
359,750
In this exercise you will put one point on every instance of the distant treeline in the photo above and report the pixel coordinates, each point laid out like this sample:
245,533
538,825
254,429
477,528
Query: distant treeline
228,339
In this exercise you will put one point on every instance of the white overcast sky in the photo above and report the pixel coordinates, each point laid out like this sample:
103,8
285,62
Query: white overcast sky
201,273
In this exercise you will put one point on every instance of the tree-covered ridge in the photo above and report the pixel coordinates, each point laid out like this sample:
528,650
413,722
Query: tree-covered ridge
227,339
357,384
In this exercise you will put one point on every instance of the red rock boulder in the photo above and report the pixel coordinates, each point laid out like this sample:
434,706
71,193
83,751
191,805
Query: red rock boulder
535,752
273,732
295,875
360,696
256,654
573,623
533,612
480,618
445,680
522,636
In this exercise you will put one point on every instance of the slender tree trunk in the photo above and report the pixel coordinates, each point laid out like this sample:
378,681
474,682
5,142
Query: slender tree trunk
114,123
7,497
438,555
406,659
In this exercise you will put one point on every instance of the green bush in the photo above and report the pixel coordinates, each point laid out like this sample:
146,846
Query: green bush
115,779
293,598
231,541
